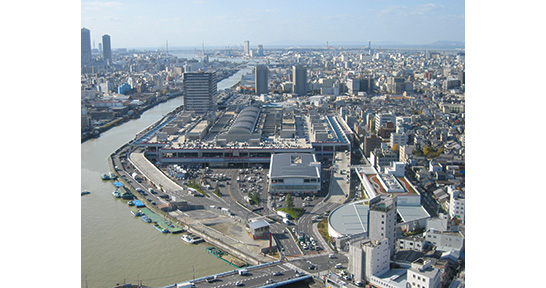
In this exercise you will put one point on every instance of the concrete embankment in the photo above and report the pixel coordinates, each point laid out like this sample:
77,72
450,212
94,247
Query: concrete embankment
233,246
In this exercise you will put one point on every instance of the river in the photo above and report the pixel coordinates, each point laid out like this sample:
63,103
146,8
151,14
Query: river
117,247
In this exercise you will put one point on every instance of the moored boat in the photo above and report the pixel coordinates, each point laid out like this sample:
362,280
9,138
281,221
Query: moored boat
146,219
136,213
192,239
116,194
85,192
127,196
160,229
108,176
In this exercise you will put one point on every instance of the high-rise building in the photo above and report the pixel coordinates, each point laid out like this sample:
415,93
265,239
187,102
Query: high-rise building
260,50
106,49
382,220
200,91
299,78
247,48
370,143
261,81
86,47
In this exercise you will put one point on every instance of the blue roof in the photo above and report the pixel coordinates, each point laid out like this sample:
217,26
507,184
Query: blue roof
138,203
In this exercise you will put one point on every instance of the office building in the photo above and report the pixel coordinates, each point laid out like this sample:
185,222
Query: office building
397,85
106,49
399,139
353,86
382,221
86,47
247,48
261,81
368,258
199,90
382,119
299,79
260,50
371,143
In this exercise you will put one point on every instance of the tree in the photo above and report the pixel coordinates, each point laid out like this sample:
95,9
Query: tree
289,201
395,148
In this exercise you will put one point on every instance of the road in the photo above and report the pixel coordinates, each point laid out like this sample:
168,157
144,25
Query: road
232,197
255,277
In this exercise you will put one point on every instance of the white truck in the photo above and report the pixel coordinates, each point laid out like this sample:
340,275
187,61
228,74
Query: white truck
242,272
284,214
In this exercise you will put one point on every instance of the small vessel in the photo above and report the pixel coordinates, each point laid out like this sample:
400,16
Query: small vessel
192,239
224,256
160,229
108,176
116,194
85,192
130,203
126,196
136,213
146,219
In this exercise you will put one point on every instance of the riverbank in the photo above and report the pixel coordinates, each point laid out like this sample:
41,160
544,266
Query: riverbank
97,131
235,244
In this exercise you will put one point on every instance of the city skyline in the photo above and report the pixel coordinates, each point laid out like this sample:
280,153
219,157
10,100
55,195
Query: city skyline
135,24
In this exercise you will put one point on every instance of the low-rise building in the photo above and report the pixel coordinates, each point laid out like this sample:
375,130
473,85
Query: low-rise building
294,173
258,229
423,275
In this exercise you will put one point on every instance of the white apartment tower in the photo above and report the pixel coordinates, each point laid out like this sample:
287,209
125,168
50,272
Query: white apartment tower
456,203
368,258
382,220
247,48
382,119
399,139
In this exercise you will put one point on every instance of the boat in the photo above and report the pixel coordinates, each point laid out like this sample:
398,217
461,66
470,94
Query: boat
85,192
136,213
192,239
130,203
146,219
226,257
116,194
127,196
108,176
160,229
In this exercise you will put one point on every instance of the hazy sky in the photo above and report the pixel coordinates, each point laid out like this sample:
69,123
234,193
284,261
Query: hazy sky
147,23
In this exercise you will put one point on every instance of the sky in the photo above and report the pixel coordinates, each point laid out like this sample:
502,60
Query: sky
219,23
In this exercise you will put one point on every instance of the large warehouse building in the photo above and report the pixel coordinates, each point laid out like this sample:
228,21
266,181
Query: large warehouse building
241,137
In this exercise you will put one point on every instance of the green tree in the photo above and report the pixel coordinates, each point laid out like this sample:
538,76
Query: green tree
289,201
255,199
